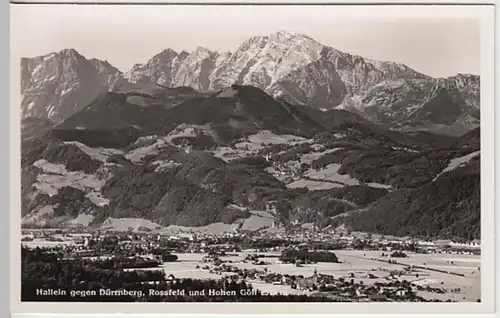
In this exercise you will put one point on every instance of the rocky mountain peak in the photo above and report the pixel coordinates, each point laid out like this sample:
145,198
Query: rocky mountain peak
58,84
286,36
203,51
462,80
289,65
71,53
165,55
104,66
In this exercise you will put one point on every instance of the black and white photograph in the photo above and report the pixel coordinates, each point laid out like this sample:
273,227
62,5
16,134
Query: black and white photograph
250,154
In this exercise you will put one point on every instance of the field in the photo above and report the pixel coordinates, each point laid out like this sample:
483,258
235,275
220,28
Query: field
469,284
457,272
257,220
359,263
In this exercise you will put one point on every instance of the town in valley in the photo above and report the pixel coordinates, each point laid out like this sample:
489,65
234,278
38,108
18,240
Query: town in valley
322,265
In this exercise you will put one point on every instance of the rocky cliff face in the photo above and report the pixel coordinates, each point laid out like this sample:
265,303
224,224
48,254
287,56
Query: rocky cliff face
173,69
449,105
294,67
57,85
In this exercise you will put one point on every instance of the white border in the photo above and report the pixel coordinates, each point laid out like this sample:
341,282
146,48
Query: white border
486,16
4,156
284,2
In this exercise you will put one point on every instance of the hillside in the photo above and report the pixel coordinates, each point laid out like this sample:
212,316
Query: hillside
220,157
448,207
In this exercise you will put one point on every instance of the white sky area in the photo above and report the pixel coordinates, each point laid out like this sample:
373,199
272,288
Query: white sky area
434,42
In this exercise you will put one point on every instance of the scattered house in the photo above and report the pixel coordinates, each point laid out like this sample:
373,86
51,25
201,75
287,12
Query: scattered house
426,244
306,284
286,280
170,278
443,243
360,294
341,230
271,206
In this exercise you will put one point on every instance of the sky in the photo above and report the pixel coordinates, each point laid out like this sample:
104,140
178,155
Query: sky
439,42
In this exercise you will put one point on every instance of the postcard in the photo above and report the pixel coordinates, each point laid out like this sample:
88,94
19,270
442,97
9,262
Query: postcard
254,157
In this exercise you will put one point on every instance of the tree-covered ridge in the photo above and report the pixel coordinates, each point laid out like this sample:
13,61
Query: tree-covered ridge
401,168
449,207
160,163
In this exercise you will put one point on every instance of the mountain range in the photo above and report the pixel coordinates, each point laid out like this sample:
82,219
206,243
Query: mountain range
284,131
289,66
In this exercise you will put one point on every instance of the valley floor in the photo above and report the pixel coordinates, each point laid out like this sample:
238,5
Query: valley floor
361,263
458,274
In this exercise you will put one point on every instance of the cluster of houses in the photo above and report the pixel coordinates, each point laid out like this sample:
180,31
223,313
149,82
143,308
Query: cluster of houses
203,242
389,288
286,172
392,288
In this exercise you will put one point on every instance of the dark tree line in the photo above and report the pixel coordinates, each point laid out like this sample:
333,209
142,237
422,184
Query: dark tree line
45,269
293,255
